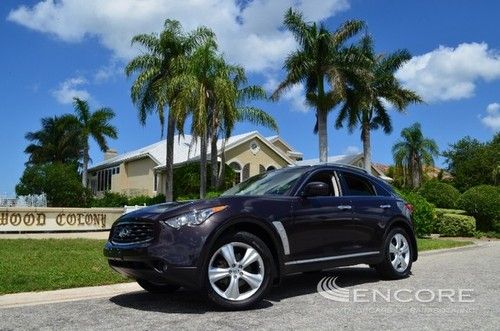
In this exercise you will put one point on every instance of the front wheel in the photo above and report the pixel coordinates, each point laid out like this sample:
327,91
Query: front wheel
397,255
239,271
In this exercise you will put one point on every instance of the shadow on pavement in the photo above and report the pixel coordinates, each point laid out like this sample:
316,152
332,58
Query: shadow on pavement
194,302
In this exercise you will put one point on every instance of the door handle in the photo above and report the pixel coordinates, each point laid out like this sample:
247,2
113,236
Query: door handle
385,206
344,207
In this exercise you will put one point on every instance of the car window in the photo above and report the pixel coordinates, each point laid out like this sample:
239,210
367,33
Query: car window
327,177
357,185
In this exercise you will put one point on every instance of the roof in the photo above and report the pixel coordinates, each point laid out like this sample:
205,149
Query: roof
185,149
344,159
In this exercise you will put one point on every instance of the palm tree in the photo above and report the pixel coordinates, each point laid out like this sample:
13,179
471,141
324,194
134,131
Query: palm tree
56,142
367,105
414,152
321,57
93,125
150,91
224,116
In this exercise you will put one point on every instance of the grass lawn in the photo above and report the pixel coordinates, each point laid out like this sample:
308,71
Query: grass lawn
430,244
48,264
37,264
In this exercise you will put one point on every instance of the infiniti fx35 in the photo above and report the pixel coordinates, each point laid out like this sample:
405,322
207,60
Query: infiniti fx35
277,223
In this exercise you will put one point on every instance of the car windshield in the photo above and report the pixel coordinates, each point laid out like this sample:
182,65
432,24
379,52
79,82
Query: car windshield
277,182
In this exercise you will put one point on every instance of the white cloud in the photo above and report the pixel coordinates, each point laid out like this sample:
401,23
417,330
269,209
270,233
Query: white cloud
451,73
71,88
108,72
492,119
250,35
351,150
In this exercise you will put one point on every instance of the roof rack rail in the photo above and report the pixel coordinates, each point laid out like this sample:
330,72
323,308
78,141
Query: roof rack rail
348,166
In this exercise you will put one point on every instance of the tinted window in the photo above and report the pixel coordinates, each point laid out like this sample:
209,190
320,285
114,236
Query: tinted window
357,185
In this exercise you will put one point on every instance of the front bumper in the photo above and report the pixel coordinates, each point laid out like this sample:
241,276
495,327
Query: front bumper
173,256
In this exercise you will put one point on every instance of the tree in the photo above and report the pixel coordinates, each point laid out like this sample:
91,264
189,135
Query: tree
93,125
61,182
367,105
57,141
155,70
321,57
472,163
414,152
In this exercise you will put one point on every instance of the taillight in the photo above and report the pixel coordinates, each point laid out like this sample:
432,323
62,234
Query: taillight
409,206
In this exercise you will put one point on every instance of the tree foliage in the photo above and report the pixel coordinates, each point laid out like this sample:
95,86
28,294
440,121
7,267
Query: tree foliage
473,163
61,183
442,195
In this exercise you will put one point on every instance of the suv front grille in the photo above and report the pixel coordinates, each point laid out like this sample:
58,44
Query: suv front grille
133,232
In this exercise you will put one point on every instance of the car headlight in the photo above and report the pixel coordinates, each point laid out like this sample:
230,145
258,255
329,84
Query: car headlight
193,218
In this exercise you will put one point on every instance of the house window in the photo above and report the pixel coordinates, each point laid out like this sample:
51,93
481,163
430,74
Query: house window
155,188
237,170
271,168
104,178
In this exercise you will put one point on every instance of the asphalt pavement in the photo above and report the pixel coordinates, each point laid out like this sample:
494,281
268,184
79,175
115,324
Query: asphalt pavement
450,290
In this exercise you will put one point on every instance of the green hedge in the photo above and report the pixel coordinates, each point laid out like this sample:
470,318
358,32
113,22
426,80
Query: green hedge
456,225
483,202
187,181
440,194
442,211
111,199
423,213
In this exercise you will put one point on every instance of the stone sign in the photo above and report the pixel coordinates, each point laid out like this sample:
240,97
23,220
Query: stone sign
24,219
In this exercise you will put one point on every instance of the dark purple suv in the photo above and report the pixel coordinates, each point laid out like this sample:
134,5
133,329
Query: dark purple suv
281,222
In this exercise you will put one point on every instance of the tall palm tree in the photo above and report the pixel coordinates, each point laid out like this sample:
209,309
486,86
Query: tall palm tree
321,57
367,105
57,141
155,69
414,152
93,125
236,108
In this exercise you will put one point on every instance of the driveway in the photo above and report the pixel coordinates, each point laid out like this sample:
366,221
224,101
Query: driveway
296,304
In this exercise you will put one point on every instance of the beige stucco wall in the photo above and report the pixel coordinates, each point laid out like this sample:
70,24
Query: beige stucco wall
281,146
265,156
139,177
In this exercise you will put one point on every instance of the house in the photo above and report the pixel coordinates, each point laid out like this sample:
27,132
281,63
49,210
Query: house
141,172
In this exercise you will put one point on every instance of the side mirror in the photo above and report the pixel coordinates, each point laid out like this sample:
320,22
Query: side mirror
314,189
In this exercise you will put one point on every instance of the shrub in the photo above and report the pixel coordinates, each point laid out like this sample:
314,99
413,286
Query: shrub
483,202
213,194
456,225
440,194
187,180
423,213
441,211
110,199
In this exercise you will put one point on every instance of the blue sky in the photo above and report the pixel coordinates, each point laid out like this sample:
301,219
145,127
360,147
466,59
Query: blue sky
52,51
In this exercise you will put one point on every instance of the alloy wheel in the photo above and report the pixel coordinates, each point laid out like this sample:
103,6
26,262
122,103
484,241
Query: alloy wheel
236,271
399,252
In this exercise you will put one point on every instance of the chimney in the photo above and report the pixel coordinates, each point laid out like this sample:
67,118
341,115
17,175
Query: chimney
110,153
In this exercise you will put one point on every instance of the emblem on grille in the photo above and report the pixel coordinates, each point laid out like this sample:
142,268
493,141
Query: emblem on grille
124,232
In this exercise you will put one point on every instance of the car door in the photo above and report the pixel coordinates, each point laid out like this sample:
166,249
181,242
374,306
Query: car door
322,226
371,211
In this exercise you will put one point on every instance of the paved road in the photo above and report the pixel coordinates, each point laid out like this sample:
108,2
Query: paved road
297,305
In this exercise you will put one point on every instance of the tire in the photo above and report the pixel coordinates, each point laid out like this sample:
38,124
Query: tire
159,288
224,273
397,253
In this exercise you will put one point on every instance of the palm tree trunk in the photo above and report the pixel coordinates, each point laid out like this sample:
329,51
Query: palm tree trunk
203,164
169,165
415,172
323,136
213,157
367,152
85,165
322,115
222,169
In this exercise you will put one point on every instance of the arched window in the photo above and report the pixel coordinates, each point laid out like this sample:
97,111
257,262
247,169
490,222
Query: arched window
262,169
271,168
237,170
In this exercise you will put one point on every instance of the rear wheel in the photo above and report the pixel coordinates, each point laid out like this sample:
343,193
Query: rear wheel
154,287
397,255
239,271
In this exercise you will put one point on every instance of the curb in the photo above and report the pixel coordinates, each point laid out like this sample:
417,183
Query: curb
66,295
